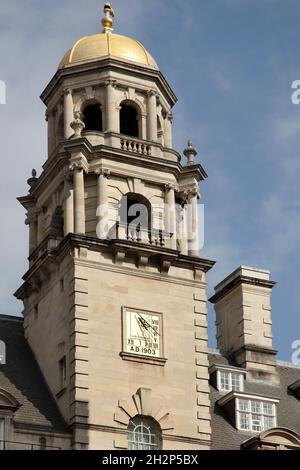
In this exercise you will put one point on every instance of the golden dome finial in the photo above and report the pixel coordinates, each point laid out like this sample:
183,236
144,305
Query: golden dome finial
107,21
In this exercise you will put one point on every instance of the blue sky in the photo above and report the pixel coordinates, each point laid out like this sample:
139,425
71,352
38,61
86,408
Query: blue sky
231,63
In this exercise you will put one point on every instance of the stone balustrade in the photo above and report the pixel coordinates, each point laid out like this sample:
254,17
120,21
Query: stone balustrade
133,145
138,234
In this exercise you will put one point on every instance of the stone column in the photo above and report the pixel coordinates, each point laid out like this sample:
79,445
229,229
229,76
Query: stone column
40,226
102,204
68,206
68,113
182,231
31,221
193,234
152,116
168,130
171,214
112,115
51,131
79,202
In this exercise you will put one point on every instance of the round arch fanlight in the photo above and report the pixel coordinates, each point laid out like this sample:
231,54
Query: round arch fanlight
144,433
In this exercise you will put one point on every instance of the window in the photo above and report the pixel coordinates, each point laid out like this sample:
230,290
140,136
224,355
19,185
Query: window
92,118
129,123
228,381
255,415
63,372
144,434
1,434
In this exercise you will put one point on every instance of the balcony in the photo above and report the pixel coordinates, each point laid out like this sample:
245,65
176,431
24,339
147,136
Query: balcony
14,445
154,237
120,142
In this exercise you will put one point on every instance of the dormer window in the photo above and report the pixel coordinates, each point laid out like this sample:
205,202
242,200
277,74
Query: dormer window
254,415
227,378
231,381
250,413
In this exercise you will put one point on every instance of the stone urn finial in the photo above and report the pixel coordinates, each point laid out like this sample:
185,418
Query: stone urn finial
77,125
33,179
190,152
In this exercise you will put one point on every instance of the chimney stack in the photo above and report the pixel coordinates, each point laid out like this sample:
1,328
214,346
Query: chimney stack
244,321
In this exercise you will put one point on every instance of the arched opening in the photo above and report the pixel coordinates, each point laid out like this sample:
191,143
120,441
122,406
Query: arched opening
135,212
129,121
92,118
56,228
144,433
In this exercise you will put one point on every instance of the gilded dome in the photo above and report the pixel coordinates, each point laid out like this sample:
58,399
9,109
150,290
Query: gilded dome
107,44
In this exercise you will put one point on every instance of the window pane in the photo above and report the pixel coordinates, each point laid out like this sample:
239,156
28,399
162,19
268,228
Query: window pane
236,381
255,406
268,408
244,421
225,382
256,422
243,405
269,422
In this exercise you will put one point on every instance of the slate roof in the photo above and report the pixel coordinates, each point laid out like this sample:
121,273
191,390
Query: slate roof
22,378
225,436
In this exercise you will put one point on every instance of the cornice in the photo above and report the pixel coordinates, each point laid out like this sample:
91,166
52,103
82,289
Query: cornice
109,64
46,260
238,281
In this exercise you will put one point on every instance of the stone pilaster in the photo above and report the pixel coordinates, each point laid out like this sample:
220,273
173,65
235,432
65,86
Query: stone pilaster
68,205
79,167
31,221
170,215
193,229
40,225
152,115
111,112
68,113
102,203
168,130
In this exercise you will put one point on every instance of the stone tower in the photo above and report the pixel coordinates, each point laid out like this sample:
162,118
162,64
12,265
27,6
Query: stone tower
115,295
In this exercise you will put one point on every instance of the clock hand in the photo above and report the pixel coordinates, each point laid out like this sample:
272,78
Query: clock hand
148,324
141,326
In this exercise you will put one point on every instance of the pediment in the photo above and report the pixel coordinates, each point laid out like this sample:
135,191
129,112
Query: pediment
8,401
280,436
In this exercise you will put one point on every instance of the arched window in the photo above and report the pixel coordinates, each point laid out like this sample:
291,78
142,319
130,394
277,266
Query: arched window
129,121
92,118
144,433
135,212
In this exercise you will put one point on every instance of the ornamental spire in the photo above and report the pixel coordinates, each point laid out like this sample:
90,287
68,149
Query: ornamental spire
107,21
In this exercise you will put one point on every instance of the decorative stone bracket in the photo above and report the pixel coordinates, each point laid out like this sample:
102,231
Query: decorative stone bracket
141,403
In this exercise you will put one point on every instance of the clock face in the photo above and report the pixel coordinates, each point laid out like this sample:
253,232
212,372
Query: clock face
143,333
